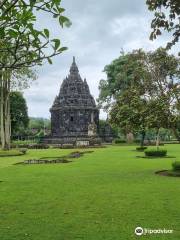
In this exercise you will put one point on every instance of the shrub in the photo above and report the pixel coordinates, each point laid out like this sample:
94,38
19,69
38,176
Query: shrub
23,145
141,149
155,152
118,141
38,146
176,166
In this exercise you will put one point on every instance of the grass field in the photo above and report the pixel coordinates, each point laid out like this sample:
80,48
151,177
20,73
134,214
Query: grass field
103,195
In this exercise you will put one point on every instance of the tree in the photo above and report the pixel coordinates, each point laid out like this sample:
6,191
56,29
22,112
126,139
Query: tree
145,89
19,112
123,91
129,113
39,123
164,70
19,80
166,18
123,73
23,46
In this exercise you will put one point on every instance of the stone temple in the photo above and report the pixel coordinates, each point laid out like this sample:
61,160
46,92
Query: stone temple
74,114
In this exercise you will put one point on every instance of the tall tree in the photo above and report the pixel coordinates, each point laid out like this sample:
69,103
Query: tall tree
19,112
129,112
145,84
24,46
20,79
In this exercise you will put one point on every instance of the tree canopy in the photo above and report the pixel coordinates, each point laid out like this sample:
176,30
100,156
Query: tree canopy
142,90
21,43
19,112
166,18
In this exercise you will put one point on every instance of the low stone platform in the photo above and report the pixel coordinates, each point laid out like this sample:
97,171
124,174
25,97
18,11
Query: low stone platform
75,141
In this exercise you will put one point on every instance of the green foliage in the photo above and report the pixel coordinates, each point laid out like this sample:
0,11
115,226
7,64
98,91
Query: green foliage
155,152
141,149
119,141
176,166
104,125
166,18
38,146
142,91
39,123
22,146
19,113
40,134
123,73
22,44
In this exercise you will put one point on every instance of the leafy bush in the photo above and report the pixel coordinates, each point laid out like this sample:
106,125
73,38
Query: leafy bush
38,146
23,145
176,166
141,149
10,153
118,141
155,152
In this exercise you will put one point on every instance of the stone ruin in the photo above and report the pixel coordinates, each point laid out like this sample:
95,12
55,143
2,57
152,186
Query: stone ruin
74,114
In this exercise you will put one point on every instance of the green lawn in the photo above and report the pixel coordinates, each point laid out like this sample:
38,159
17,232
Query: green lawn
101,196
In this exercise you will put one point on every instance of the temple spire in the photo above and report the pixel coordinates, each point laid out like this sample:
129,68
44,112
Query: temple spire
74,69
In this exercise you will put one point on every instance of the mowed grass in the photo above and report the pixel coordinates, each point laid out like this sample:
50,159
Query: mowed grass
103,195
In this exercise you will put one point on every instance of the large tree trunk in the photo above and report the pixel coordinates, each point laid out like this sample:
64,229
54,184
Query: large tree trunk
2,112
143,134
5,110
7,113
157,138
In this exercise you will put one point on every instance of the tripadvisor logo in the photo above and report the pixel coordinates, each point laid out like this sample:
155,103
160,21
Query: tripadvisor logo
139,231
143,231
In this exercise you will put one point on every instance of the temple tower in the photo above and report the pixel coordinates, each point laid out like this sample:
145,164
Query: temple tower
73,107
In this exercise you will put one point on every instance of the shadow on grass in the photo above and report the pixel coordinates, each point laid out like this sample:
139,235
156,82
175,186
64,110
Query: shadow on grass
168,173
155,157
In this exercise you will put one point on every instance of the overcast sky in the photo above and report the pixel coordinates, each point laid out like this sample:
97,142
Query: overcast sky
100,29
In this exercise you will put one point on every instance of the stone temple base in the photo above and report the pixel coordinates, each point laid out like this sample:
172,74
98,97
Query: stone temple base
75,141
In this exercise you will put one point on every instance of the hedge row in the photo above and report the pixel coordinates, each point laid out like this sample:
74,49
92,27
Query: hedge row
31,146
